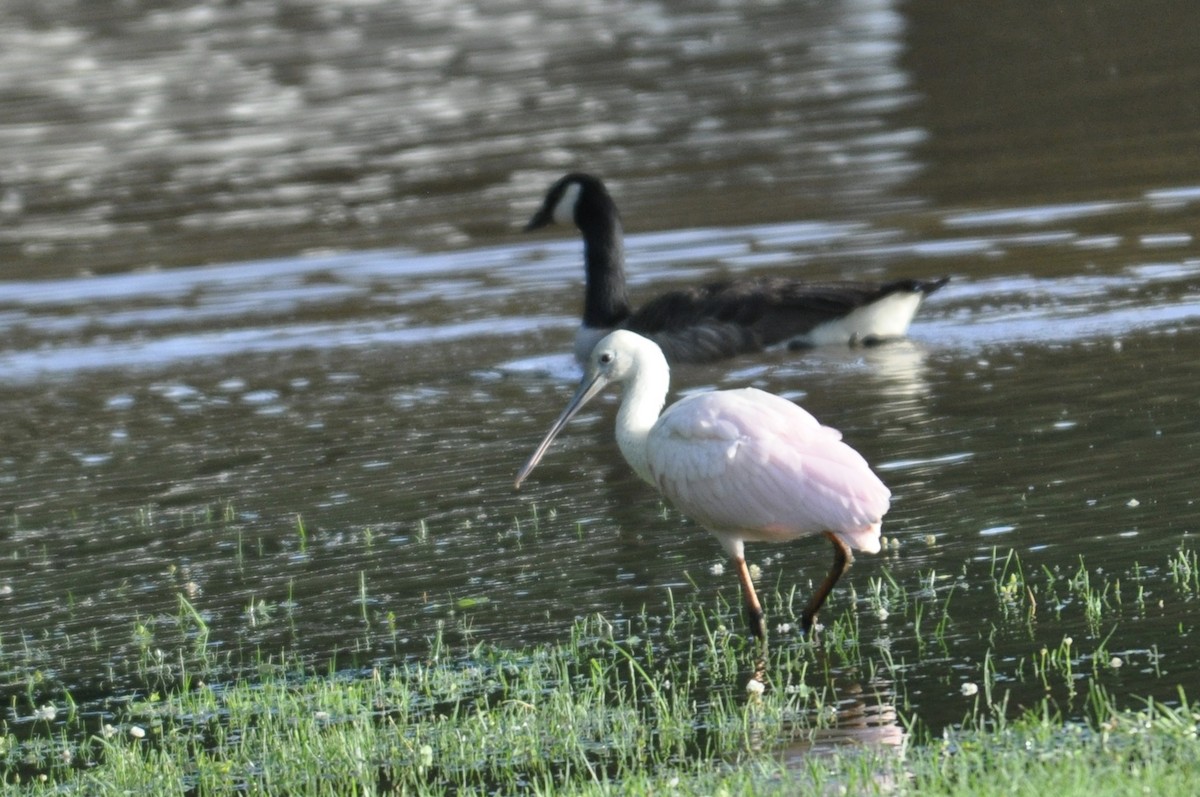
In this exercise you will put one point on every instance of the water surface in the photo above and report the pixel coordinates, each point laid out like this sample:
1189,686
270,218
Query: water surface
269,339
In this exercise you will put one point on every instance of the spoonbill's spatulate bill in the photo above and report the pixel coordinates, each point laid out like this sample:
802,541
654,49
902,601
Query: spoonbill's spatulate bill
745,464
722,319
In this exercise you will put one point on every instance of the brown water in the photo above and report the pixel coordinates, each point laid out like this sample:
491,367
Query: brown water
259,262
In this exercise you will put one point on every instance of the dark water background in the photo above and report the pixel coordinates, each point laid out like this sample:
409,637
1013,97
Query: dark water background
259,262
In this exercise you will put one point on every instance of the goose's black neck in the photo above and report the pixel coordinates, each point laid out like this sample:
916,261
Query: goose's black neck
606,303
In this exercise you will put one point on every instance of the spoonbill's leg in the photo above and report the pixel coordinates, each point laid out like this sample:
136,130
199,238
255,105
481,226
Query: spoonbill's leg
754,611
842,558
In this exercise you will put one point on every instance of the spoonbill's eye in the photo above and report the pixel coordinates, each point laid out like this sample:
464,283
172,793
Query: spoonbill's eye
606,357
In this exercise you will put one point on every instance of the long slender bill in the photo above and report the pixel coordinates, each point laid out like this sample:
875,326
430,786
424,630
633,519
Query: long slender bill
588,388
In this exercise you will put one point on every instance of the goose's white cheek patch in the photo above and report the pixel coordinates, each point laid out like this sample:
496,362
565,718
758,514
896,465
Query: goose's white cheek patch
564,211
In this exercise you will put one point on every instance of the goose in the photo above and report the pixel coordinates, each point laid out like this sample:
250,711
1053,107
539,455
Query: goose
720,319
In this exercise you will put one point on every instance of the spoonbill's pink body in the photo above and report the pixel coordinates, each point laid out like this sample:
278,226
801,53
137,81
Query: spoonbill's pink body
745,464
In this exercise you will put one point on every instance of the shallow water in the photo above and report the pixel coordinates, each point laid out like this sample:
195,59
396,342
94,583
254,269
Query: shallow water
269,339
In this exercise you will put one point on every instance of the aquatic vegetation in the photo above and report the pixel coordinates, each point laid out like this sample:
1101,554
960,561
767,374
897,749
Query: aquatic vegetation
607,704
604,713
1185,571
672,696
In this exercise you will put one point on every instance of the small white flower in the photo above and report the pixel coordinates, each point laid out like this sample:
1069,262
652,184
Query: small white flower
969,689
1067,641
784,628
1132,503
108,731
755,572
321,716
717,570
47,712
137,732
755,686
883,613
1115,662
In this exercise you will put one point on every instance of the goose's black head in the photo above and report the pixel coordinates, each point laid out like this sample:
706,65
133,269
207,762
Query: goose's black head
578,199
582,200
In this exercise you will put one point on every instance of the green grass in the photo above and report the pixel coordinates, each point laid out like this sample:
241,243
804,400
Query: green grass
584,719
612,710
603,708
1149,751
1029,686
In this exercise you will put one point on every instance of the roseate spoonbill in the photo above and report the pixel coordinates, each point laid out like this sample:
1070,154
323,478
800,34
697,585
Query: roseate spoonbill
745,464
721,319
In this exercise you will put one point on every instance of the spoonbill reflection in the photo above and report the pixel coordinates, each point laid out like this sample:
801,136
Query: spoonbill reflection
745,464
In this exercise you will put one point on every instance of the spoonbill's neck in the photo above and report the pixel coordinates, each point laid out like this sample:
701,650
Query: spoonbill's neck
606,303
645,394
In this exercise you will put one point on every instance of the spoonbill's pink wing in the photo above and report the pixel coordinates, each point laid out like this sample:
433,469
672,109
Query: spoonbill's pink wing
749,464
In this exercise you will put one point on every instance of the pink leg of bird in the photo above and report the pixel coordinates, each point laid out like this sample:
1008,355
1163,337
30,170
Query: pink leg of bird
754,611
842,558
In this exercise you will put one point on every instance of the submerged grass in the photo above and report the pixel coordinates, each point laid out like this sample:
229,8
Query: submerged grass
606,707
587,718
1029,697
